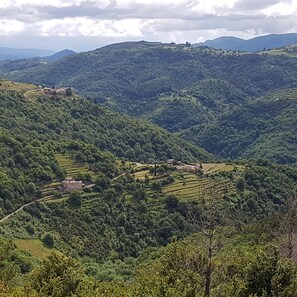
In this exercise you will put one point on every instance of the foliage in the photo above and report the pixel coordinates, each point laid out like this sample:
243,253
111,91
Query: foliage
210,96
261,129
58,276
33,132
74,199
48,240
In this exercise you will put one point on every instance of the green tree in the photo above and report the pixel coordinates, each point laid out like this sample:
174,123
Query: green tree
268,275
69,92
75,199
240,184
48,240
58,276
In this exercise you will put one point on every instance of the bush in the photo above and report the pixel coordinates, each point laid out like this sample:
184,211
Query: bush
74,199
48,240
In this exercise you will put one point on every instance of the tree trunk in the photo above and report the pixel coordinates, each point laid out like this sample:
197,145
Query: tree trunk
208,269
290,242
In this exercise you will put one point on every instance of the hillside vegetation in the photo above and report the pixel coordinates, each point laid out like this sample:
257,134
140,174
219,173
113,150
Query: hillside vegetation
262,129
33,129
186,90
270,41
152,207
119,230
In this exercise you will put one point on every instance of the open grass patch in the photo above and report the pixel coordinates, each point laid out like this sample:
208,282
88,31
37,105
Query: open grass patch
34,246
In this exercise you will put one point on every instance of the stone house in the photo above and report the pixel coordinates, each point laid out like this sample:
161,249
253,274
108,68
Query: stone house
71,185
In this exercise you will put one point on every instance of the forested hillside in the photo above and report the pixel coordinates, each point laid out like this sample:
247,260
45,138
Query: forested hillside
265,128
117,233
132,72
35,126
185,89
152,205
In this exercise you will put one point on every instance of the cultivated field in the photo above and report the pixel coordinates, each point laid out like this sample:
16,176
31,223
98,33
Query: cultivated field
192,187
71,167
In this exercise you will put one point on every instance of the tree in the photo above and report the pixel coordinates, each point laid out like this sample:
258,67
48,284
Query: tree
207,220
289,224
75,199
69,92
139,194
178,273
268,275
102,183
48,240
240,184
58,276
171,202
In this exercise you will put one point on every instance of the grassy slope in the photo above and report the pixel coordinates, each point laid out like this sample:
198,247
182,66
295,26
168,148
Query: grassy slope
33,246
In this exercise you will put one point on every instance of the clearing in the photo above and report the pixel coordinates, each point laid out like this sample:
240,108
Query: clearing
33,246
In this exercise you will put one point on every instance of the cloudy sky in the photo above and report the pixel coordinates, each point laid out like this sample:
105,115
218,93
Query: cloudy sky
88,24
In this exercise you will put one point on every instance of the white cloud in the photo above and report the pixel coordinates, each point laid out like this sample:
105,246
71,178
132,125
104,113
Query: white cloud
10,27
282,8
76,27
163,20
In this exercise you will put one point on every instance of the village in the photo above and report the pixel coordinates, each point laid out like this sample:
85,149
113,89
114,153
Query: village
69,184
66,91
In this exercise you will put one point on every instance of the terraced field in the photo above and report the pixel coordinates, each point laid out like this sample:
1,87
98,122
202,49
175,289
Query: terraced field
71,167
47,190
192,187
217,167
141,174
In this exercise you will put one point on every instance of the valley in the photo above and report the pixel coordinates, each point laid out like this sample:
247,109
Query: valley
175,172
186,91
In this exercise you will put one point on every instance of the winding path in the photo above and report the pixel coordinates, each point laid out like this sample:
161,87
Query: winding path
22,207
43,199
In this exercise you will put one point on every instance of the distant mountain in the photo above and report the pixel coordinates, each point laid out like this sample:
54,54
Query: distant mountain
59,55
251,45
14,54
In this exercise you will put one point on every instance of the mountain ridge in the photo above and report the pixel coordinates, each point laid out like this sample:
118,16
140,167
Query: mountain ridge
254,44
59,55
14,54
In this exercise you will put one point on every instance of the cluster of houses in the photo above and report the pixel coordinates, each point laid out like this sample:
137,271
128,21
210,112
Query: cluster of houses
183,167
53,91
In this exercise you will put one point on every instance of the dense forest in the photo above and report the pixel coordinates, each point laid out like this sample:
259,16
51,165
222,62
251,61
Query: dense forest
184,89
127,223
262,129
32,131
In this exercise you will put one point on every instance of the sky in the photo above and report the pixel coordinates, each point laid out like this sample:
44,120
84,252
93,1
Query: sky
83,25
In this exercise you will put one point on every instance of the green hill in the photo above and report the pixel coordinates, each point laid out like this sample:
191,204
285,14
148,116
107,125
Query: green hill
135,73
270,41
183,89
131,219
35,126
265,128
